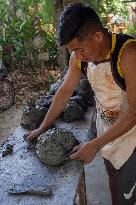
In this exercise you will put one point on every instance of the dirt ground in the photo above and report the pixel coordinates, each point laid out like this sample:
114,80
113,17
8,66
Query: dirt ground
9,120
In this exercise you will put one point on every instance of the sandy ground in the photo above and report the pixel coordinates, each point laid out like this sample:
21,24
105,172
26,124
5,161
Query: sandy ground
9,120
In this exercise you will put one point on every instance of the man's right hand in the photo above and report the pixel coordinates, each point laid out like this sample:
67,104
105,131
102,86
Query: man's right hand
30,136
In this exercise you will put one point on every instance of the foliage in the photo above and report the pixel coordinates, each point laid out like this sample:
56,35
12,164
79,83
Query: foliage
131,29
33,20
105,7
97,5
18,31
115,7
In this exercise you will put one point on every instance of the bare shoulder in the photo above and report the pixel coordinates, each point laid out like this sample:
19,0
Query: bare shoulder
128,67
128,58
129,50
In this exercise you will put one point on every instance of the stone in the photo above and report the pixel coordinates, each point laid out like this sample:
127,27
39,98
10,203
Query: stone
85,91
45,101
64,72
8,149
54,87
83,96
73,112
32,116
92,132
79,100
53,146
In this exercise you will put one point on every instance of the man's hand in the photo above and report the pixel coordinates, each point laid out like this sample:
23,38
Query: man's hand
84,152
32,135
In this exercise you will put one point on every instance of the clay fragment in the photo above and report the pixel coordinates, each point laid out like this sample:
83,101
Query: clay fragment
7,150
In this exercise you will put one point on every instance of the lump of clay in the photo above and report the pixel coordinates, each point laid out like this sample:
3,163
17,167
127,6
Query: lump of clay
32,116
53,146
85,91
54,87
45,101
73,112
7,150
79,100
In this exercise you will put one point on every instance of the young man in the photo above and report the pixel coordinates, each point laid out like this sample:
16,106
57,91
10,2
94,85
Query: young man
111,70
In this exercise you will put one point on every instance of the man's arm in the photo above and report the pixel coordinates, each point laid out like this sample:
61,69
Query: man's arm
61,97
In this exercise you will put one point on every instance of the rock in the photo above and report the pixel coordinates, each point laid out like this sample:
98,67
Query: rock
7,150
73,112
54,87
63,73
92,132
79,100
52,147
45,101
82,97
32,116
85,91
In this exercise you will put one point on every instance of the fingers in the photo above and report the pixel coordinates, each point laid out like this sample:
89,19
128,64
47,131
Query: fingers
25,136
31,137
76,148
74,156
75,152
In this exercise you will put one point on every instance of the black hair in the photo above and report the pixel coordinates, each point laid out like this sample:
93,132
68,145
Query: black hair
77,21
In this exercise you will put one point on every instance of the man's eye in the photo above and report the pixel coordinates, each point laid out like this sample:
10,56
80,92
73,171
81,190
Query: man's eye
81,50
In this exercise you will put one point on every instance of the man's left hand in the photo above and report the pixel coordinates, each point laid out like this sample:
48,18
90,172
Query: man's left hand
84,152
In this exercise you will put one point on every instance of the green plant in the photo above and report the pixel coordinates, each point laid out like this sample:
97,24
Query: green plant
131,29
116,7
20,24
105,7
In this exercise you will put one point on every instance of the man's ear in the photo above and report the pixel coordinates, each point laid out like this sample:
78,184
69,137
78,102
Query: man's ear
98,36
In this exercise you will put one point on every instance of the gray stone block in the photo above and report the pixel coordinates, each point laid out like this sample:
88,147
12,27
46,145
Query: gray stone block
73,112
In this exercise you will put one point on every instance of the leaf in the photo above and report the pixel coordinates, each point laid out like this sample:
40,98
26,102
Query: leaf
21,26
4,34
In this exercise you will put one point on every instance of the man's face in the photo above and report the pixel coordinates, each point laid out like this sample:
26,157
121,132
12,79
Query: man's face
89,49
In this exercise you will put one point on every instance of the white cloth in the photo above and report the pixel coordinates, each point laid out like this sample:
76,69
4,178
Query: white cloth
111,102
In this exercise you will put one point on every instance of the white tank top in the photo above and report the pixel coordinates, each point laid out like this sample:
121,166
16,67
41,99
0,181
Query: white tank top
111,102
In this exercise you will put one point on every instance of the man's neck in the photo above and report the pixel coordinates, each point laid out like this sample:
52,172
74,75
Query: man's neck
106,47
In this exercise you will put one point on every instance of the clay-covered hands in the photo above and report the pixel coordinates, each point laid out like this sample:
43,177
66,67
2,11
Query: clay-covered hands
30,136
84,152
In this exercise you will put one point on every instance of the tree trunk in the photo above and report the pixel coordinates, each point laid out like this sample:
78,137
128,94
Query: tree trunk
63,55
14,7
62,51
